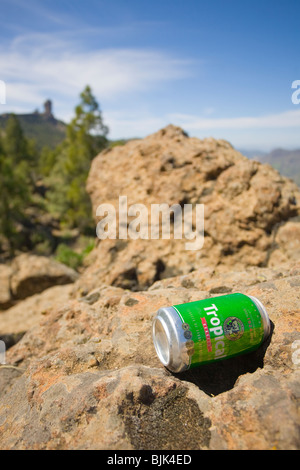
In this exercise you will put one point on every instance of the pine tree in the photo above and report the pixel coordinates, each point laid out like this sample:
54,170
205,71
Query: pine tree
19,149
86,136
14,186
15,144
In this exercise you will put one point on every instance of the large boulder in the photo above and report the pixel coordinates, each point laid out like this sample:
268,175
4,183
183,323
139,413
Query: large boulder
28,313
33,274
245,202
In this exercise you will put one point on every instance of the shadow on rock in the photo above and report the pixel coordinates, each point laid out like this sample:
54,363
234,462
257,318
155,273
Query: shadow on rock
219,377
11,339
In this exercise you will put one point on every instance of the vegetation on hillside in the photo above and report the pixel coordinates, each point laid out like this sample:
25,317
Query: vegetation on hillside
17,163
44,131
66,168
44,206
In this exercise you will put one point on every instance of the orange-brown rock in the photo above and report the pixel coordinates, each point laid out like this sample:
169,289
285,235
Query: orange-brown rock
30,274
247,205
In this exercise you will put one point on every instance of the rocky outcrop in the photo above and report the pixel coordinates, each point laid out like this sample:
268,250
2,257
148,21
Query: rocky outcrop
82,372
28,313
28,275
33,274
88,377
248,208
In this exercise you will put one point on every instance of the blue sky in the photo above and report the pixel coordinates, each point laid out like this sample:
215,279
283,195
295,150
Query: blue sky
220,68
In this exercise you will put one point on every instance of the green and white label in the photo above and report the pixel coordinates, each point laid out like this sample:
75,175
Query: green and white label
220,327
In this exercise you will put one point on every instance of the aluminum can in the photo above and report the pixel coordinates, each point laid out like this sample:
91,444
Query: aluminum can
195,333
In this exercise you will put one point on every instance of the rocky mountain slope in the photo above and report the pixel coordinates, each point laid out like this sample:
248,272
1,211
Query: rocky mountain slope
287,162
43,127
84,374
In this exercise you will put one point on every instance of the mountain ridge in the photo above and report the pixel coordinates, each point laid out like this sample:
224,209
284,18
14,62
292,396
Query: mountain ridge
287,162
43,127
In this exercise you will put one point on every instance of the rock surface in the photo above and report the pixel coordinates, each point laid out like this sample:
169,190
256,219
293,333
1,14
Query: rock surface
88,376
82,372
33,274
30,274
5,293
28,313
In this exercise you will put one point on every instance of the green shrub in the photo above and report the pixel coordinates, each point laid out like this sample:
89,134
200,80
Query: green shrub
74,259
65,255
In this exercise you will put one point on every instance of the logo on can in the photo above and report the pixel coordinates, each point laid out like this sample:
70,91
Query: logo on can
233,328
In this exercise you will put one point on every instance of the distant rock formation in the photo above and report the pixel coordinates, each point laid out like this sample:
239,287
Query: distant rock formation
41,126
48,109
287,162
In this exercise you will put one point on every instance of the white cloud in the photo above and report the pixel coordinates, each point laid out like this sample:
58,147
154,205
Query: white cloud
37,66
280,120
128,125
263,132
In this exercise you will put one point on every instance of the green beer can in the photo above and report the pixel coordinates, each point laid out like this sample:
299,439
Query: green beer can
195,333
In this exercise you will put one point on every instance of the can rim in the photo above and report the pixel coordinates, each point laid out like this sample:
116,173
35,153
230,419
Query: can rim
264,315
161,340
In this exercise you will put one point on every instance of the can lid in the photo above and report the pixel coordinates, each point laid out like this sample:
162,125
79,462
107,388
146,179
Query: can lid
161,340
169,341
